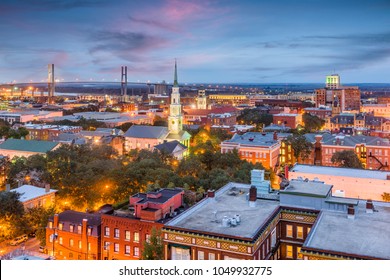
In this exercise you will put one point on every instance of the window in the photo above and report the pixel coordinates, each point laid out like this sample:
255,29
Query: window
211,256
308,230
136,251
106,245
60,226
79,229
80,244
180,253
289,251
106,231
136,237
71,242
116,247
299,232
299,254
89,231
50,224
147,238
71,228
127,235
127,249
60,240
116,233
200,255
289,231
273,238
89,246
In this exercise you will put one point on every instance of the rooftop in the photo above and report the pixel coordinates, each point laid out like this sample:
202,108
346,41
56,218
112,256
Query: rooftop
169,147
366,235
144,131
166,194
28,192
207,215
307,188
77,217
28,145
256,139
341,171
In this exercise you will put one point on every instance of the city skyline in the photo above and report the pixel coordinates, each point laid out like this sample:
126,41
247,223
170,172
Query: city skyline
213,41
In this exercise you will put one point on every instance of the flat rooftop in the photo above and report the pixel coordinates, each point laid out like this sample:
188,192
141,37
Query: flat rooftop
29,192
366,235
207,215
340,171
310,188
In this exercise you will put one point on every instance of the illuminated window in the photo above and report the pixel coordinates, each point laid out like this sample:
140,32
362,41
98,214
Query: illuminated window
308,230
289,231
289,251
50,224
299,254
116,247
106,231
71,228
60,240
60,226
89,246
71,242
127,235
200,255
136,237
299,232
89,231
80,244
79,229
147,238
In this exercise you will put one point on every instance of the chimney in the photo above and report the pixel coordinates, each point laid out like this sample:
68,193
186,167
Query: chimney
211,194
8,187
55,221
286,170
351,212
275,136
47,188
252,196
369,206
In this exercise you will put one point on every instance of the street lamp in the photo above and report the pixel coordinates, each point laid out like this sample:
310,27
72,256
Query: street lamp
53,238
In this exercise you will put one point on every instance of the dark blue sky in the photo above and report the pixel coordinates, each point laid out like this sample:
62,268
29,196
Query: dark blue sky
260,41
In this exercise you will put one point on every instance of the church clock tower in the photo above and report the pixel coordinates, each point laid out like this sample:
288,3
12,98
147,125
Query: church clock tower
175,119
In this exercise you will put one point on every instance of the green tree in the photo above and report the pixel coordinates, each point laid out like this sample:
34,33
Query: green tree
154,249
11,215
346,158
312,123
37,218
300,146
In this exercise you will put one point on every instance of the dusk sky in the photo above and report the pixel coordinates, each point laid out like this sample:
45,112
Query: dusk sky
280,41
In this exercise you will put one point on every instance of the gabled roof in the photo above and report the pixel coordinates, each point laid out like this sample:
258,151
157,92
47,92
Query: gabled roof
28,145
144,131
77,217
169,147
182,135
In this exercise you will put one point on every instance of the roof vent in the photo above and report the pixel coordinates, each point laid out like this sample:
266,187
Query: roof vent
369,206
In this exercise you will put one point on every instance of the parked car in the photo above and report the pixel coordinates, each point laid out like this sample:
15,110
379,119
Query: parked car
18,240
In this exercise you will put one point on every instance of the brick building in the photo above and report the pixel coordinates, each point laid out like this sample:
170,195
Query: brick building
237,223
124,232
256,147
373,152
49,132
289,120
73,235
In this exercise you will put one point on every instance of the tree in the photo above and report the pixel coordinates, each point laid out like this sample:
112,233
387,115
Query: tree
312,123
37,218
347,158
11,213
386,196
154,249
300,146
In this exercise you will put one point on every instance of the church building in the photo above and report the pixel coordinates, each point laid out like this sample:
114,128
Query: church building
147,137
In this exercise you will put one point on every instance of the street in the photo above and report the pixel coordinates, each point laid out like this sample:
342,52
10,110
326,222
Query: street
31,245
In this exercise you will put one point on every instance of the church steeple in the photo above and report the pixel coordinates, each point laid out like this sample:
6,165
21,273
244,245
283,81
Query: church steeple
175,83
175,119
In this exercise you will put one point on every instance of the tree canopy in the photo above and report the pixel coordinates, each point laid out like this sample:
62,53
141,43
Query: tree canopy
300,146
346,158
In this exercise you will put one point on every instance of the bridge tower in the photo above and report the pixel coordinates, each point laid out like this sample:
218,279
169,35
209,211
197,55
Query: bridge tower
124,83
51,83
